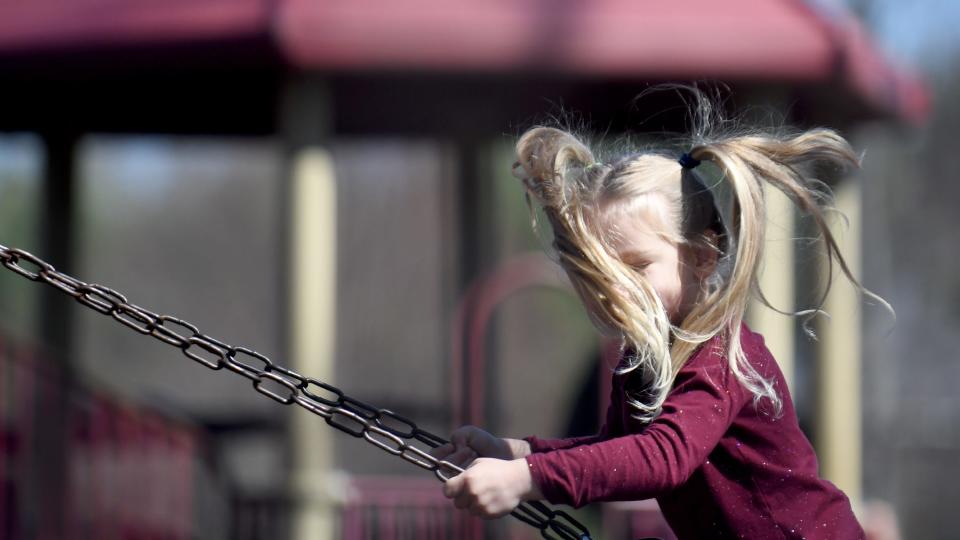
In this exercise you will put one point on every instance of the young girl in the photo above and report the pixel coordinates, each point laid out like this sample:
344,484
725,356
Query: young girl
700,417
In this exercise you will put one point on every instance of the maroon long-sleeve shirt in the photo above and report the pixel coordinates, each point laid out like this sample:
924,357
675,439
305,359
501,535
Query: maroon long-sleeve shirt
718,465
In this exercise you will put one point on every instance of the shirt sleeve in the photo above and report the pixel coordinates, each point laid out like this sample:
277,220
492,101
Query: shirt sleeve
538,445
705,399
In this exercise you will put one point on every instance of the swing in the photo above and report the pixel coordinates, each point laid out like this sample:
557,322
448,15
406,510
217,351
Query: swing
382,428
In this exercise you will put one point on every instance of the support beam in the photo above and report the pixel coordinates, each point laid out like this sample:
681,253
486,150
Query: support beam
56,236
57,224
313,329
838,422
311,293
777,280
778,277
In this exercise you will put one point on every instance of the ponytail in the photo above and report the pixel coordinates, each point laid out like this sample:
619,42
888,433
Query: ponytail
746,164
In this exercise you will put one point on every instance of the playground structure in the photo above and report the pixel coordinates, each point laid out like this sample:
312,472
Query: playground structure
305,76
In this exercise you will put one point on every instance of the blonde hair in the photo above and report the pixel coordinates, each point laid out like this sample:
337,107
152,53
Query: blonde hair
572,188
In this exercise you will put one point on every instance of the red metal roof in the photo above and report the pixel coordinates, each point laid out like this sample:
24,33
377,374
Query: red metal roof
766,40
885,86
619,37
43,25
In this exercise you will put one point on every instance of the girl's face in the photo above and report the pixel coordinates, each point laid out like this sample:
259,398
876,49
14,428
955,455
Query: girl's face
640,240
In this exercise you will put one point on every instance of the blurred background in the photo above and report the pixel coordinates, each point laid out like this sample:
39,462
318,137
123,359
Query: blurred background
328,183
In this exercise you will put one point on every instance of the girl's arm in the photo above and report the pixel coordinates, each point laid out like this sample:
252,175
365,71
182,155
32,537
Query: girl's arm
699,410
538,445
695,415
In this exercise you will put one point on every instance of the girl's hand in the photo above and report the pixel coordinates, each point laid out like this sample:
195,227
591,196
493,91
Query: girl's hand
469,442
491,488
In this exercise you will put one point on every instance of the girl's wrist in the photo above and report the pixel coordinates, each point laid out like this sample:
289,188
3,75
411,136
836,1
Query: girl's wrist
519,448
530,491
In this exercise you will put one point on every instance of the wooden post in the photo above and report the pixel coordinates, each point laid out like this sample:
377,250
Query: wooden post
312,258
56,236
777,279
44,514
838,425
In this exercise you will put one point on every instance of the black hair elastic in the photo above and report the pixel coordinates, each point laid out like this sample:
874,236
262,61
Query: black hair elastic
687,161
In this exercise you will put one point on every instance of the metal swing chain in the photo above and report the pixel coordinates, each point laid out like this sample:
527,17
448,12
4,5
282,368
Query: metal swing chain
380,427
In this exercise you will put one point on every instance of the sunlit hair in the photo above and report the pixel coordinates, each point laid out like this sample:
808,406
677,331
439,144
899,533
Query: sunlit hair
573,189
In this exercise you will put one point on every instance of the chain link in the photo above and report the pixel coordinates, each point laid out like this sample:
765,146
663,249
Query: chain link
382,428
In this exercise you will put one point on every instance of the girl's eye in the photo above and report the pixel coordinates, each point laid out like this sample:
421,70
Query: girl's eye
640,266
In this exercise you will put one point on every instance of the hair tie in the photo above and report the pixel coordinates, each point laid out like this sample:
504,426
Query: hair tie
687,161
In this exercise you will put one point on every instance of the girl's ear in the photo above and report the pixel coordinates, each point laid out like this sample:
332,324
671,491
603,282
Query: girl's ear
706,253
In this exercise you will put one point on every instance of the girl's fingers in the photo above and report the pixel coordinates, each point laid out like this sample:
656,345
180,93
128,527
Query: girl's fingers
458,455
462,500
452,487
461,437
442,451
462,457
